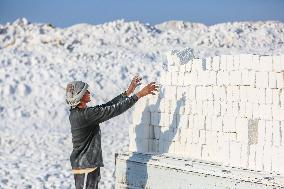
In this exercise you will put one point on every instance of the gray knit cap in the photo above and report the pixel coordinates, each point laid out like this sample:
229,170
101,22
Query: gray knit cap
75,90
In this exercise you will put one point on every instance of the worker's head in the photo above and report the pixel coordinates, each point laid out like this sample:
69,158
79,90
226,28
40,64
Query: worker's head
76,92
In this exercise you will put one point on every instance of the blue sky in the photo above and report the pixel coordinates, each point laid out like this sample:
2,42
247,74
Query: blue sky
64,13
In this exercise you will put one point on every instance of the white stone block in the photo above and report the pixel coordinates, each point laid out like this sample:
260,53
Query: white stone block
203,77
217,123
230,62
248,78
174,77
255,111
244,93
217,108
182,93
249,110
180,79
205,152
191,93
267,159
245,61
265,63
268,133
211,137
188,66
212,78
277,67
219,93
223,78
244,156
256,63
233,93
229,124
265,112
235,78
281,97
208,63
252,94
236,62
171,92
188,107
193,77
200,93
275,96
252,157
182,121
276,133
209,93
182,68
208,108
187,79
280,80
259,158
196,151
261,132
156,119
190,121
268,96
242,109
199,122
235,154
277,112
216,63
195,135
157,132
197,64
242,130
261,79
223,62
272,80
141,117
224,106
202,136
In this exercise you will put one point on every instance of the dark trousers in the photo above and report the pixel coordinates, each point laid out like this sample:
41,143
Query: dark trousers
88,180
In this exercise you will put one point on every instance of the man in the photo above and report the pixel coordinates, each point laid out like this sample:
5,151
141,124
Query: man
86,157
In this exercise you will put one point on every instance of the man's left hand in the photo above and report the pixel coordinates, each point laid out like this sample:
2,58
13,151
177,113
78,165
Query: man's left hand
134,83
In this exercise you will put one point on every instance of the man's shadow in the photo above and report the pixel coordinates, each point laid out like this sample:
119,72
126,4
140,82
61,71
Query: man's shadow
137,174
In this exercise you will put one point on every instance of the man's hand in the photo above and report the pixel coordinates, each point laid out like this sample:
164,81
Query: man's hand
148,89
134,83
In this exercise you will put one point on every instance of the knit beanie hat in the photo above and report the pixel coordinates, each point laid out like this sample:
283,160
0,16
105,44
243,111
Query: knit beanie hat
75,90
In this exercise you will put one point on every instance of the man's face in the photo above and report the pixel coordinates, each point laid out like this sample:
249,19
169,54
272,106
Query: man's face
86,98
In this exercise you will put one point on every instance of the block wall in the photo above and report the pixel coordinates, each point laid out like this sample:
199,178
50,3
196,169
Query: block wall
227,109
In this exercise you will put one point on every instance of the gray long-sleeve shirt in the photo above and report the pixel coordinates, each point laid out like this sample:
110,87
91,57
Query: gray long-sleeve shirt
86,133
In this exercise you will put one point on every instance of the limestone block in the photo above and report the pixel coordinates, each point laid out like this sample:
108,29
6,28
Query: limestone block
217,108
268,96
259,158
261,79
242,109
195,135
267,158
208,108
174,77
156,119
272,81
199,121
248,78
242,130
280,80
265,63
157,132
223,62
252,157
265,112
187,78
229,124
139,117
182,120
235,154
208,63
203,77
268,133
276,133
219,93
197,64
281,97
193,77
252,94
261,132
235,78
180,81
275,96
223,78
256,62
217,123
236,62
233,93
200,93
245,61
216,63
249,110
230,62
202,136
277,112
277,66
171,92
173,68
244,155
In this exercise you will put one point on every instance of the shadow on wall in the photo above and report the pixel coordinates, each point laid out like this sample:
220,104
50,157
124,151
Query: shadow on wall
137,175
